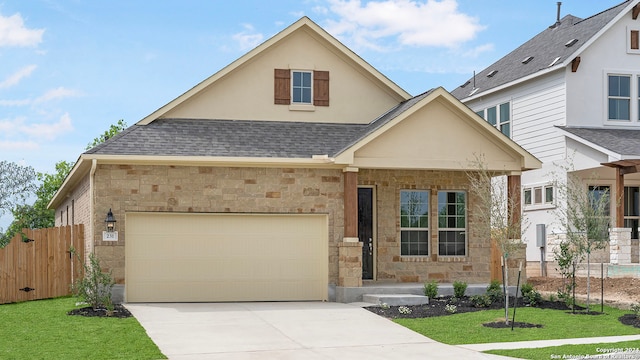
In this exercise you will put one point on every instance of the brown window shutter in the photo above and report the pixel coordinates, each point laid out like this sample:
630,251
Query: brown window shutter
321,88
634,40
282,87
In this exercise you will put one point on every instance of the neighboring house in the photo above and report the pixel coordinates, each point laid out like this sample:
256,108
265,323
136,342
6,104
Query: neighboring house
571,97
293,171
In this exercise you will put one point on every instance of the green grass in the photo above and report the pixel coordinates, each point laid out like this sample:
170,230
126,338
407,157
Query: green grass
43,330
571,351
557,324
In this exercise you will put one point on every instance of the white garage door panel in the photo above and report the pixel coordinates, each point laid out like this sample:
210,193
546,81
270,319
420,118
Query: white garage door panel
225,257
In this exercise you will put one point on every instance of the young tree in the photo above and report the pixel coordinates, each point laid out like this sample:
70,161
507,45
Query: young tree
585,219
37,216
495,214
16,184
113,130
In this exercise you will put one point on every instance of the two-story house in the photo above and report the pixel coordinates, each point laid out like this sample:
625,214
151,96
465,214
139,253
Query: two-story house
295,173
571,96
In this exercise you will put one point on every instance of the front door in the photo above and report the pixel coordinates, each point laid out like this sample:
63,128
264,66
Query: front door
365,230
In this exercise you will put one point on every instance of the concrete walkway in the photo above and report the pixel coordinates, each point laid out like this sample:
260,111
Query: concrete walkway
285,330
547,343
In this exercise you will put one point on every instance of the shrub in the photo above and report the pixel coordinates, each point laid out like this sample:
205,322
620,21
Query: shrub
636,308
404,310
480,300
431,289
525,289
459,288
95,286
530,295
450,308
494,291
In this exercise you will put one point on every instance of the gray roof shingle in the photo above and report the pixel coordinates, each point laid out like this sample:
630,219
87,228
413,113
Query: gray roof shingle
620,141
243,138
544,48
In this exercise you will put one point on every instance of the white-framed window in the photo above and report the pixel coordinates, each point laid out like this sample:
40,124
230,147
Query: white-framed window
542,195
499,116
301,87
414,222
452,223
619,97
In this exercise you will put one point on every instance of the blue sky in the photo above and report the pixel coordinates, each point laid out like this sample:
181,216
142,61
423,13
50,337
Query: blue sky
69,69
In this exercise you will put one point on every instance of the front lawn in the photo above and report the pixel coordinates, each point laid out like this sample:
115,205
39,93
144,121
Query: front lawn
43,330
467,328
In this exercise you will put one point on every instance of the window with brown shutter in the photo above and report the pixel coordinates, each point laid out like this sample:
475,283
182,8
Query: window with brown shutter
282,87
634,40
321,88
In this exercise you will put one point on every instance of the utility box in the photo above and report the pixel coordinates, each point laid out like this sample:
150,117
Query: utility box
541,235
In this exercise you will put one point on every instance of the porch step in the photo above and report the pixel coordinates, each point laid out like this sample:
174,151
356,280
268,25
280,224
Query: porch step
395,299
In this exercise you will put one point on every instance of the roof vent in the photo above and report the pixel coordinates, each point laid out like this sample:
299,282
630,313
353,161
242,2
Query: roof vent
554,61
465,84
527,60
493,72
571,42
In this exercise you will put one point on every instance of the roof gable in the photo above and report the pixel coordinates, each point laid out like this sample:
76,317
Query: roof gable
243,90
435,131
552,49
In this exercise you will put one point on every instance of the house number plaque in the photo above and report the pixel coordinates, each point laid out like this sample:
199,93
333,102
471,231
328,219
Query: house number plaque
109,236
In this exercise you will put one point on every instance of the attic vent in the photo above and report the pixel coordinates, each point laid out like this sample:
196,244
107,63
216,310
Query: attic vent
527,60
493,72
475,90
465,84
571,42
554,61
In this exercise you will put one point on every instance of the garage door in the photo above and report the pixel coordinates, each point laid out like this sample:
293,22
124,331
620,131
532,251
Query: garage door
173,257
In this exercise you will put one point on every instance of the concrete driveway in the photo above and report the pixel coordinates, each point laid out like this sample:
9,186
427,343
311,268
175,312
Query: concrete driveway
284,330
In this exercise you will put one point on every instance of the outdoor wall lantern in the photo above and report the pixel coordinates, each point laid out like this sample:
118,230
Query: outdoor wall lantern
110,221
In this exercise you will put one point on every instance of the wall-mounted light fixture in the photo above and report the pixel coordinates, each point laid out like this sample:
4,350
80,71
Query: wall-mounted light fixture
110,221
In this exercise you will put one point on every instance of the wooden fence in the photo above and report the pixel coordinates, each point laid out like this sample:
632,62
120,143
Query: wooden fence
40,266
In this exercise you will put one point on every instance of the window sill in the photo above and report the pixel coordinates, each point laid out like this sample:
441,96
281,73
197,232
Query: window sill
415,258
302,107
539,207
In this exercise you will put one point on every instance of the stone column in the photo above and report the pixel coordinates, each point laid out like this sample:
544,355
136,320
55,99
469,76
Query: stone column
350,264
620,245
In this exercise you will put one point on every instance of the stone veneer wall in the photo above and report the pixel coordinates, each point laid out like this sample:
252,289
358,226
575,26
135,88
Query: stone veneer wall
390,265
129,188
76,208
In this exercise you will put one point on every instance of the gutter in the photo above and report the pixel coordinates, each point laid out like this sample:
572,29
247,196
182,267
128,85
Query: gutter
94,165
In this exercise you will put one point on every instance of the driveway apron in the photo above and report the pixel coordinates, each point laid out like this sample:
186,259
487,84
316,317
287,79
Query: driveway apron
284,330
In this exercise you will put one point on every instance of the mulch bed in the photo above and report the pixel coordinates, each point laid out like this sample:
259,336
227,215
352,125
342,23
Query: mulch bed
119,311
437,307
630,319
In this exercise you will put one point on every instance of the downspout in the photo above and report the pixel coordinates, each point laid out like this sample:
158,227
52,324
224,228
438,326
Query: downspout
94,165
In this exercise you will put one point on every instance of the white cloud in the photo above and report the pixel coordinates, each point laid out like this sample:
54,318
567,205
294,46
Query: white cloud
249,38
413,23
14,33
48,131
53,94
56,94
479,50
15,78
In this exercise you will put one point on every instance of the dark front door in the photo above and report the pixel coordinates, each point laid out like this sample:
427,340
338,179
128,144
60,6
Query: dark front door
365,230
